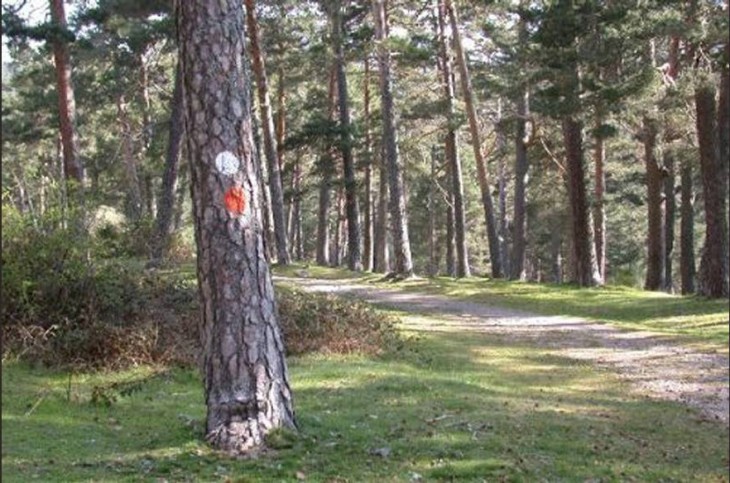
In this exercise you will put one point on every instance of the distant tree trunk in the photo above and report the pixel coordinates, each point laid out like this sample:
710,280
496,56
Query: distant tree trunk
381,263
336,256
655,214
296,230
723,111
247,390
270,149
519,237
502,182
599,210
451,151
263,174
669,217
73,168
451,269
556,244
148,195
483,175
354,255
165,208
586,268
432,262
367,211
326,165
713,274
687,236
134,196
403,265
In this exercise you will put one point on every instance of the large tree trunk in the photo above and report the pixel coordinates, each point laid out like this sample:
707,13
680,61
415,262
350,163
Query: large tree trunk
586,268
354,255
247,390
713,274
165,208
367,211
134,195
655,210
270,149
73,168
482,173
687,235
403,266
451,149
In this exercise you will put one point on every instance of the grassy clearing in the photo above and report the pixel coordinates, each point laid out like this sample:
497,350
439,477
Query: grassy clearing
697,320
447,407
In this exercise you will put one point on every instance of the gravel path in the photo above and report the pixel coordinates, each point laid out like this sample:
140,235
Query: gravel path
656,366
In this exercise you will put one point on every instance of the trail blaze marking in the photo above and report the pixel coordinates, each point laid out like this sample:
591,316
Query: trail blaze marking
227,163
235,200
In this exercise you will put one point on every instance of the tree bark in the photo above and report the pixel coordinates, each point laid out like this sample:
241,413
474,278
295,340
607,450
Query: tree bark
713,274
599,210
380,255
326,164
451,150
669,217
687,236
367,211
586,268
519,237
482,173
354,254
134,195
403,266
270,149
247,390
165,208
655,210
73,168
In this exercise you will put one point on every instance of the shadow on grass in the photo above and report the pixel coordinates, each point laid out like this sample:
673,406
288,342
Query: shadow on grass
448,407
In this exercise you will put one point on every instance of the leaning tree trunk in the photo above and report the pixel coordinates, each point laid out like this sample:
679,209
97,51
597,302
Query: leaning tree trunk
247,390
451,150
713,275
354,255
72,167
655,210
687,235
166,206
583,248
482,173
270,150
403,266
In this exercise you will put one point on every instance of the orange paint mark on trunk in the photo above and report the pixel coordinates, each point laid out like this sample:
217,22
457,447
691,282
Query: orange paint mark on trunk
235,200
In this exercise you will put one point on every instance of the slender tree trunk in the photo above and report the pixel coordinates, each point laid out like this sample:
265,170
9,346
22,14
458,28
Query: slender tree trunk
337,248
368,181
451,149
669,217
380,258
354,254
247,391
403,266
72,166
165,208
451,263
599,210
556,244
134,196
655,214
148,195
713,274
263,174
687,236
502,182
482,173
326,166
519,237
432,265
270,149
583,248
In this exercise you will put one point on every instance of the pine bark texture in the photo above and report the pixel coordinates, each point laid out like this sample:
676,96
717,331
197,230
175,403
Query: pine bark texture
451,149
270,150
482,173
584,255
72,166
247,390
403,263
354,254
712,280
655,209
166,206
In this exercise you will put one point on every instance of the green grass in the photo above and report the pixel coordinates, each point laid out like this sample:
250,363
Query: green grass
447,407
694,319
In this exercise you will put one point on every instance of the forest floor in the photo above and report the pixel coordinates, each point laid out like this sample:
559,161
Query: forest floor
655,365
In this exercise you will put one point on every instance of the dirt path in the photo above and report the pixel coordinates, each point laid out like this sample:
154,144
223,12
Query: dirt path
656,367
